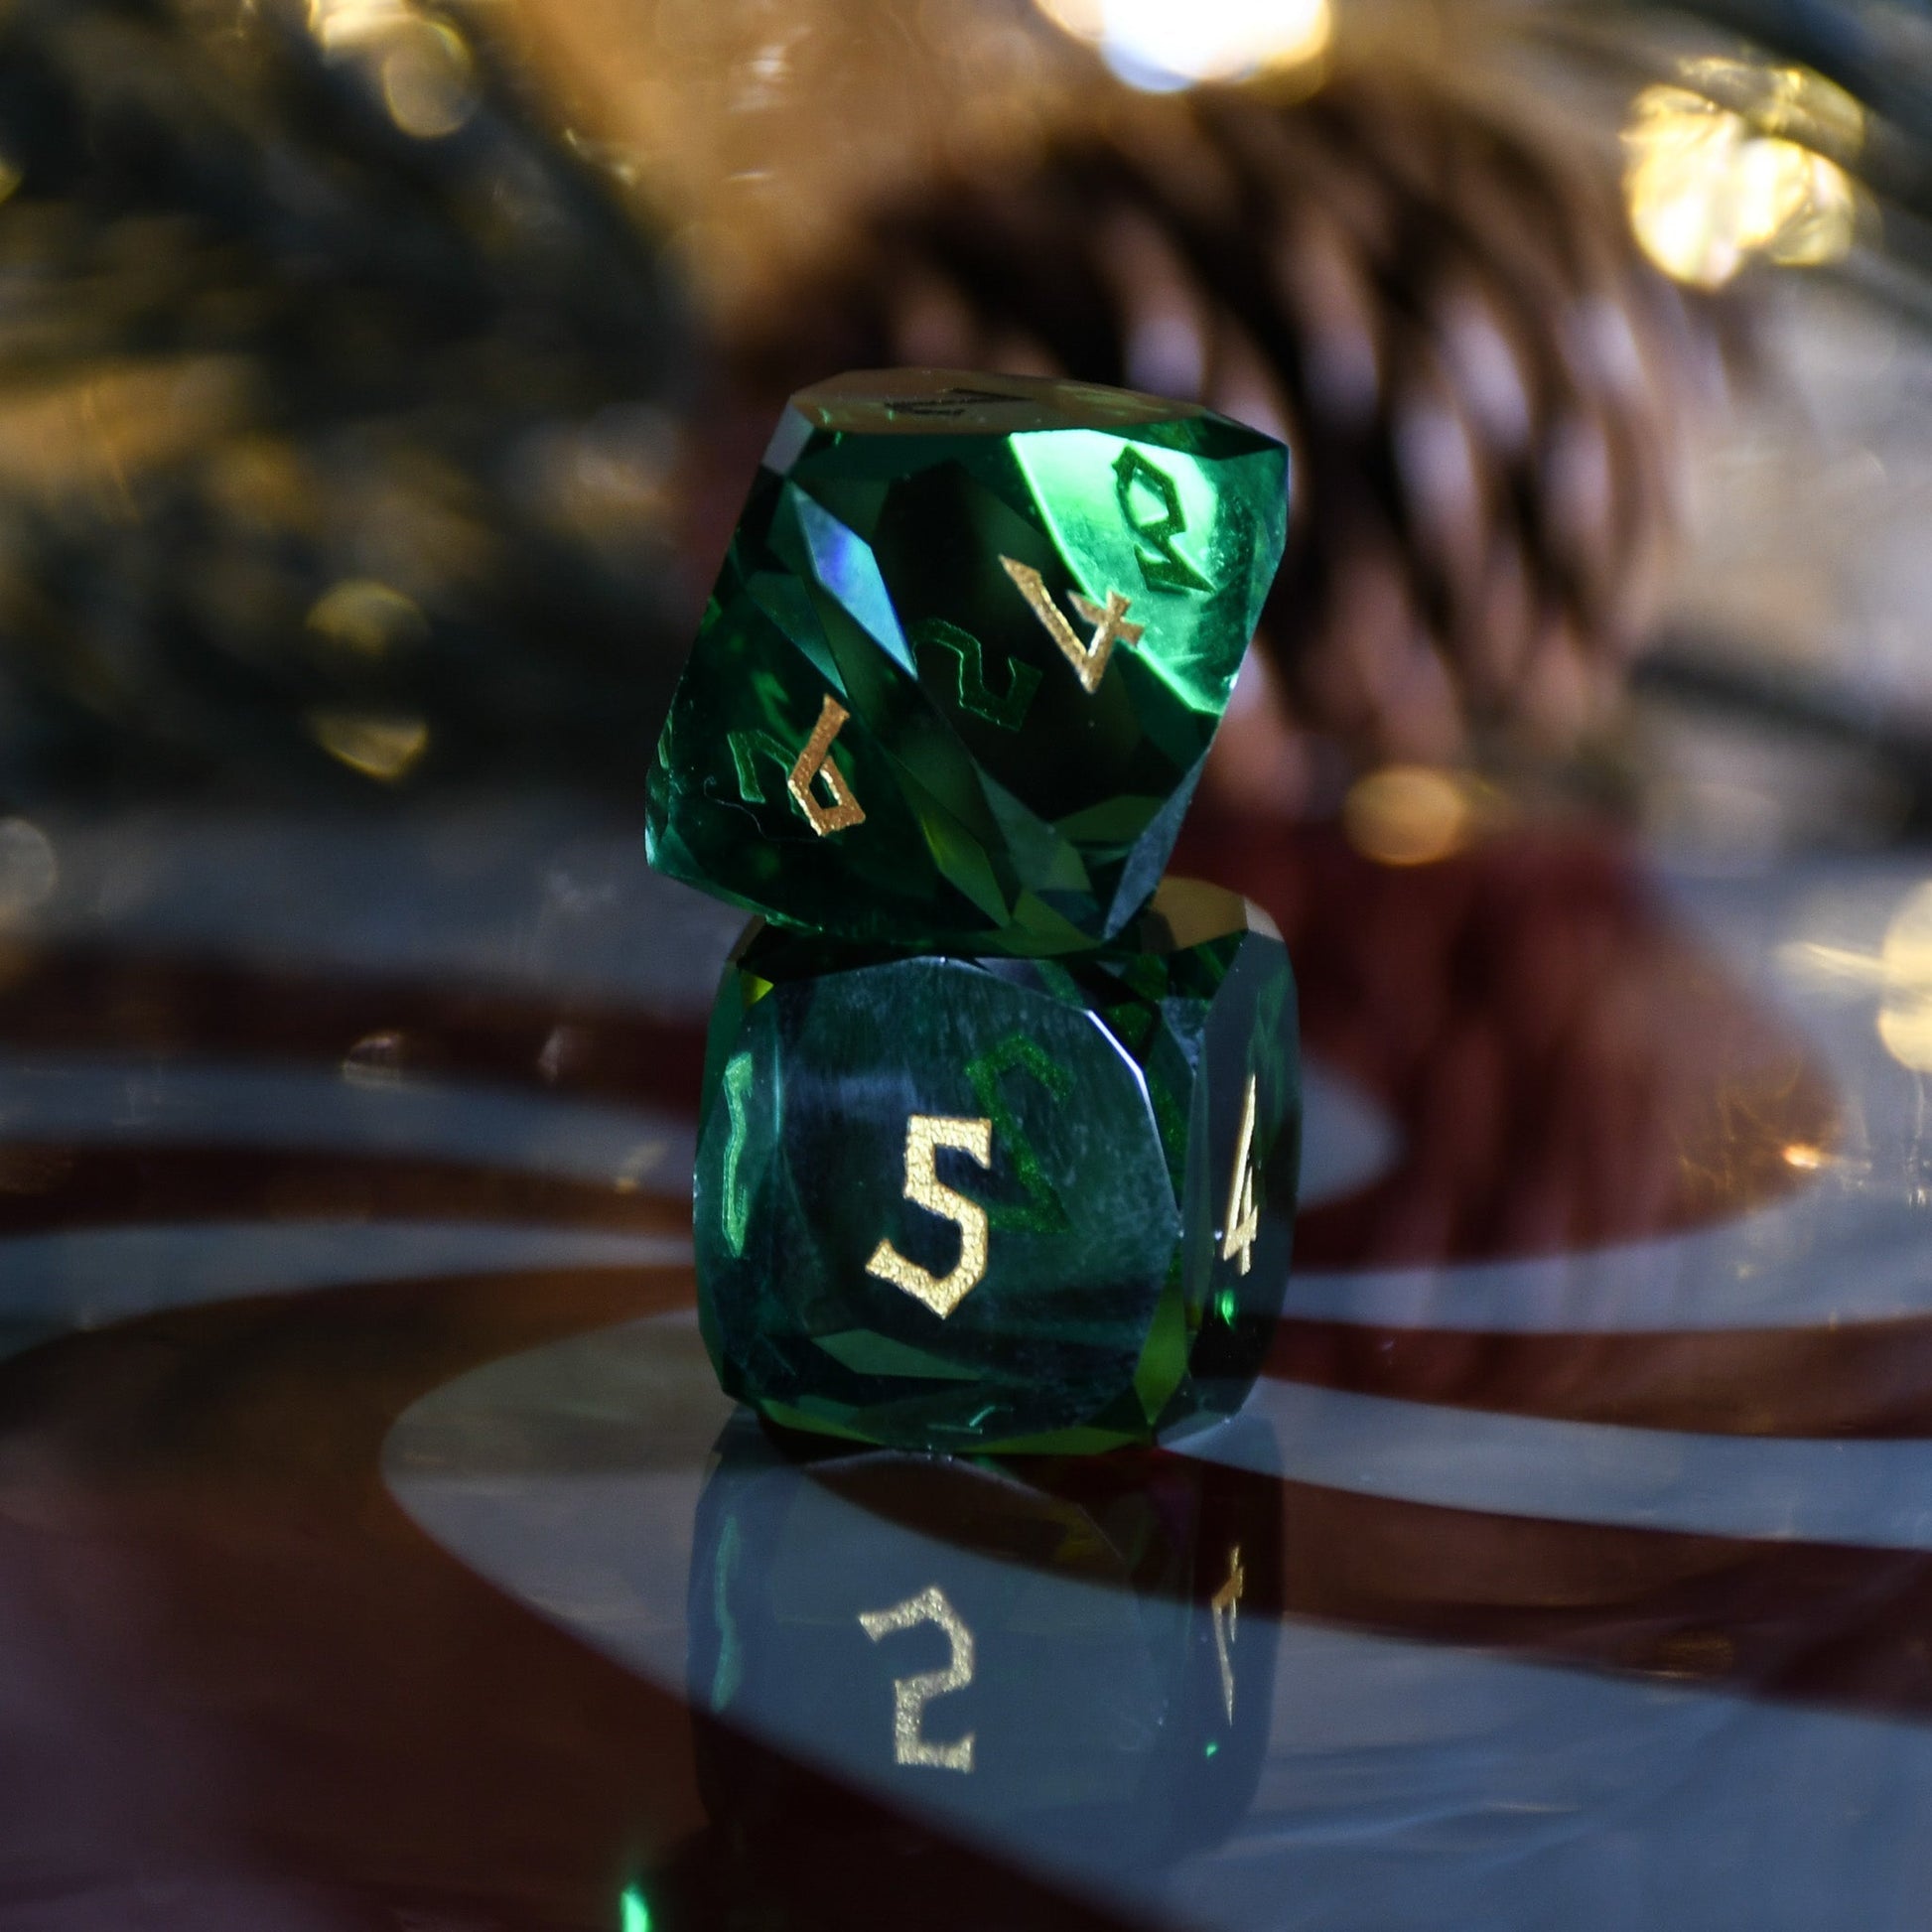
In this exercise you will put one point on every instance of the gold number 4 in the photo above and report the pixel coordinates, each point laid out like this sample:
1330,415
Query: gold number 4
1243,1214
912,1695
1109,620
926,1134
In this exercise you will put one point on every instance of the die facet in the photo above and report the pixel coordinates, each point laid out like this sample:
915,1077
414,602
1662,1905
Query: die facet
968,648
995,1203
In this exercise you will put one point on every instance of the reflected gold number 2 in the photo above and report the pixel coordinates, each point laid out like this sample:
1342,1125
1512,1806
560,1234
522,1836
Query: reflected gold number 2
926,1134
1243,1215
912,1695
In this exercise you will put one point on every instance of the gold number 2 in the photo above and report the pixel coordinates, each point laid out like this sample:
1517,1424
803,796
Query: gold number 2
1243,1216
926,1134
912,1695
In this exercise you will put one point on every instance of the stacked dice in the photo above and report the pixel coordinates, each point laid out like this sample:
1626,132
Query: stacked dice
1001,1129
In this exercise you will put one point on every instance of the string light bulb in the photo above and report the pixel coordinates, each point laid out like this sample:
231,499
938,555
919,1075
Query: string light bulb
1160,46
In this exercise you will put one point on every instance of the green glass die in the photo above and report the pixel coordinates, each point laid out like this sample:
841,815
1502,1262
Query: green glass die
967,651
993,1203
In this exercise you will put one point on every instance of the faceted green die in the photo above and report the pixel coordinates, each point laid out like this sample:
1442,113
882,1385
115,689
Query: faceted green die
962,665
998,1203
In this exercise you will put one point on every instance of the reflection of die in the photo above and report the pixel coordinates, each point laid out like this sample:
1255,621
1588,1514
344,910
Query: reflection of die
961,668
960,1203
1072,1658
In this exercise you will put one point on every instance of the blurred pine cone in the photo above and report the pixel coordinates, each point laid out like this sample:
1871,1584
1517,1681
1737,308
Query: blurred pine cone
337,395
1482,380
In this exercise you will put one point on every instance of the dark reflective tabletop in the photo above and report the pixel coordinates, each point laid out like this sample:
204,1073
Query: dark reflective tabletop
377,1550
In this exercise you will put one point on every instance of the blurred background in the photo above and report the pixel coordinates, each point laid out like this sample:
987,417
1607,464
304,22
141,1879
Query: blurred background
378,379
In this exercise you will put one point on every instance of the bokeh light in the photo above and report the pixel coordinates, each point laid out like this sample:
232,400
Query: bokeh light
422,66
1159,46
351,23
378,746
1408,815
1724,169
428,80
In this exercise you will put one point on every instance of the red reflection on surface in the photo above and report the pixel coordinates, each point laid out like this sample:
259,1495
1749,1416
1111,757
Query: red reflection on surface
224,1649
1565,1066
88,1000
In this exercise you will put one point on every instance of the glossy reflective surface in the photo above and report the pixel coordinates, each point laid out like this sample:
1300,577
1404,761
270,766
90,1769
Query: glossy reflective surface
376,1549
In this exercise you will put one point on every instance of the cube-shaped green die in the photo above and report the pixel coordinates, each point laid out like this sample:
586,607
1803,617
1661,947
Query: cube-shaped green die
957,1202
963,662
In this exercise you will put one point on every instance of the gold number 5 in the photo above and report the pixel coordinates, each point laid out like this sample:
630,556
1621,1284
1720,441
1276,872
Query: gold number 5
912,1695
926,1134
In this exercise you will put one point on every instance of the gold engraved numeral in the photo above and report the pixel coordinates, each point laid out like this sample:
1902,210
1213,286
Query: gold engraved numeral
912,1695
815,761
926,1134
1224,1608
1243,1215
1109,620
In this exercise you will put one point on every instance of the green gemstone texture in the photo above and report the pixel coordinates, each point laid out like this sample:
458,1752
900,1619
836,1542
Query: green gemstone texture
970,643
994,1203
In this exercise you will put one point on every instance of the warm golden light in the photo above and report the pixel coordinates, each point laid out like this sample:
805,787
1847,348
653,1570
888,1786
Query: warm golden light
1804,1157
424,67
381,746
351,23
1162,44
1710,185
1791,102
367,618
1408,815
104,424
